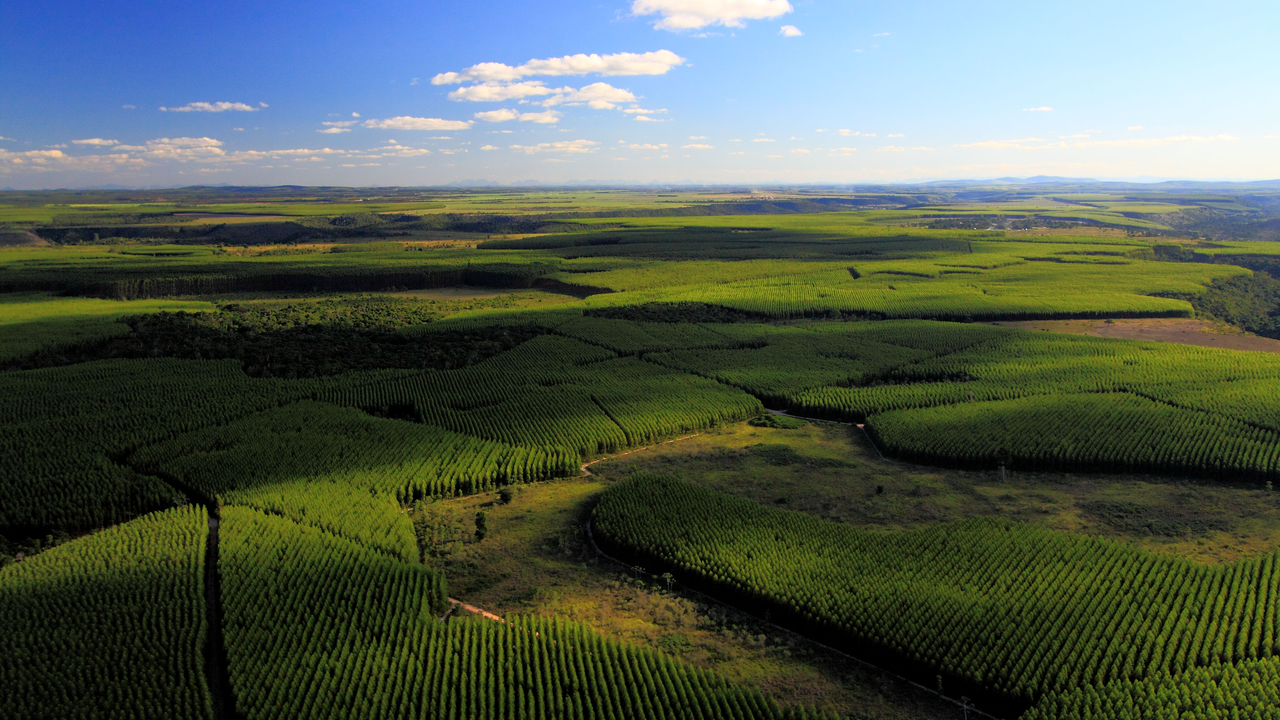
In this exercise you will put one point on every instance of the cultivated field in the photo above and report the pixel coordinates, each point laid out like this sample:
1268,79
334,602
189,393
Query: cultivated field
880,454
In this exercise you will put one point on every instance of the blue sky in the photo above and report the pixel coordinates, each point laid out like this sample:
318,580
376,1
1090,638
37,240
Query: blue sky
705,91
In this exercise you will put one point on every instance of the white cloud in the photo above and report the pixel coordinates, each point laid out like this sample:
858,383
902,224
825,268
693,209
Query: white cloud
212,107
355,114
503,115
697,146
763,140
799,151
1136,127
693,14
488,147
414,81
891,148
1077,136
790,31
96,142
739,152
844,132
894,135
129,107
341,124
493,92
1042,108
334,130
564,146
883,34
697,137
644,146
642,111
646,118
6,138
507,114
61,146
238,129
406,122
773,156
263,104
650,63
597,96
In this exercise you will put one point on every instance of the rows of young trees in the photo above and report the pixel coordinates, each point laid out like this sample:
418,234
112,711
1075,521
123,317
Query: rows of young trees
1081,432
109,626
318,627
999,611
65,431
406,461
558,392
634,338
1248,690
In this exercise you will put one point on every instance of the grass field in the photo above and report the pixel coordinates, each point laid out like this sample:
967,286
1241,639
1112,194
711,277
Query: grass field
30,322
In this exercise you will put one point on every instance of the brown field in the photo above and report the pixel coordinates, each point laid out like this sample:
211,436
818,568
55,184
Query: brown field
1184,331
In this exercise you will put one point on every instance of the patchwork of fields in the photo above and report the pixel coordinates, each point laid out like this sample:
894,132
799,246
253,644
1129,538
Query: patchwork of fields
246,483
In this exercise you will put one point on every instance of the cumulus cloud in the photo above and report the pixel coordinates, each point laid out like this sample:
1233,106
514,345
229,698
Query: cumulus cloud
406,122
697,146
644,146
129,107
598,96
507,114
1136,127
488,147
1042,108
495,92
799,151
334,130
47,160
96,142
697,137
896,135
213,107
844,132
341,123
694,14
564,146
6,138
635,110
647,118
763,140
650,63
790,31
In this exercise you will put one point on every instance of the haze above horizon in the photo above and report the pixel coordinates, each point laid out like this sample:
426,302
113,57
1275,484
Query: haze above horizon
633,91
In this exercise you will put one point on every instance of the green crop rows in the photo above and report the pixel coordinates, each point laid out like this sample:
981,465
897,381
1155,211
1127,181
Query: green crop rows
1004,611
311,619
112,625
631,331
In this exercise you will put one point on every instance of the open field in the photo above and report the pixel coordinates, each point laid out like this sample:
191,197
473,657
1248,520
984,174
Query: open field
1186,331
1045,479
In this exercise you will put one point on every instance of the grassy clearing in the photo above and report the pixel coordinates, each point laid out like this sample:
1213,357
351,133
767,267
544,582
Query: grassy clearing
833,472
534,560
30,322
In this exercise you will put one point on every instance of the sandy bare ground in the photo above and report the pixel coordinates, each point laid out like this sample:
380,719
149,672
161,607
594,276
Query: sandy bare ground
1183,331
